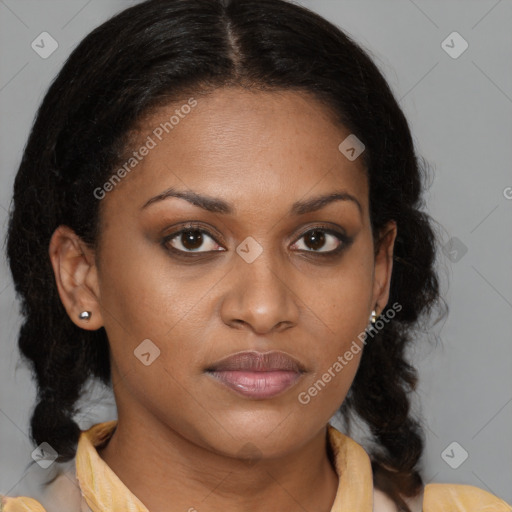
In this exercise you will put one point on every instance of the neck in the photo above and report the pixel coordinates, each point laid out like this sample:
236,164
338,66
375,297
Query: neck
169,473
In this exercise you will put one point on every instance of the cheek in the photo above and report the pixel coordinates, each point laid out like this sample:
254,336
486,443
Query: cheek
342,304
149,309
144,297
337,354
341,297
137,284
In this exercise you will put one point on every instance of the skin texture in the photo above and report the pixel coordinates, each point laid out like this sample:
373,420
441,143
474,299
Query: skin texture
182,437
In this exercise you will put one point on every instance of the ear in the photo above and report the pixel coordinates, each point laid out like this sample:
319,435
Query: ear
76,277
383,266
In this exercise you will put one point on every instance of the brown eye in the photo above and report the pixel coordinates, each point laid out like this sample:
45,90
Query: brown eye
316,239
191,240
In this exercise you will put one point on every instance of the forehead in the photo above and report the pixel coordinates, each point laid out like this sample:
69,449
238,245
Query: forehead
253,149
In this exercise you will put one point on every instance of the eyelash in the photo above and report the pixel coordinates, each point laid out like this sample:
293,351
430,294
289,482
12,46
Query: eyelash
345,241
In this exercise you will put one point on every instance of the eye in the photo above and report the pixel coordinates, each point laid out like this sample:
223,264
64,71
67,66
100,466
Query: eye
190,240
316,239
195,239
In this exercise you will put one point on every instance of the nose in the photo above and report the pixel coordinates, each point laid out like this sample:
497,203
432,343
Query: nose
260,296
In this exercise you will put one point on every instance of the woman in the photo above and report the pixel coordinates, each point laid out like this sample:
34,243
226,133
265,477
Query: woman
217,214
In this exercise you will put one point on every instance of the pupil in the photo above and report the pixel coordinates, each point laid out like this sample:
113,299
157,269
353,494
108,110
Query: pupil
192,239
315,239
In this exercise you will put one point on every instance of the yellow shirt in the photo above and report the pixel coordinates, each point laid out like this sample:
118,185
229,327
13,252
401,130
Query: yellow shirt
93,487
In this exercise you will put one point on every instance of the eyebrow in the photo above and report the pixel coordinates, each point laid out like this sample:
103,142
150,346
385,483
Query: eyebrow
216,205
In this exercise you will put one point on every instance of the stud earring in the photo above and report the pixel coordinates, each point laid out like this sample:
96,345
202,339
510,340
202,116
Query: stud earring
373,317
85,315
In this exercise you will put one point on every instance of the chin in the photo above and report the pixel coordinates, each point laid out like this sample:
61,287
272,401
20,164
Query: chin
265,435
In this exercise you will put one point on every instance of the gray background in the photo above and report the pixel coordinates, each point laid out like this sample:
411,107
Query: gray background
460,115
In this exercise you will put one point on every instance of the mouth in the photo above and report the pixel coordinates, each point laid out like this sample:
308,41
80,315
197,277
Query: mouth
257,375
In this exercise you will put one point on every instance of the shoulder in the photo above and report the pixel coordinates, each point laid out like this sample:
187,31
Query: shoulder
443,497
19,504
382,502
463,498
45,490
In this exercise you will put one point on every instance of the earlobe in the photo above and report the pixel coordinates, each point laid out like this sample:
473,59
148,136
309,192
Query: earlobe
384,266
76,278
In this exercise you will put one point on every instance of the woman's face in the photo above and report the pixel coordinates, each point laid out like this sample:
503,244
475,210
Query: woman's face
267,266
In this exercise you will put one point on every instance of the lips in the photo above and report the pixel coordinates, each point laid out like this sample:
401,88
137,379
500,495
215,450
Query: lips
257,375
258,362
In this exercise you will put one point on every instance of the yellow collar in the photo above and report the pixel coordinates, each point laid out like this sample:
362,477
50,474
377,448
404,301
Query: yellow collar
103,490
